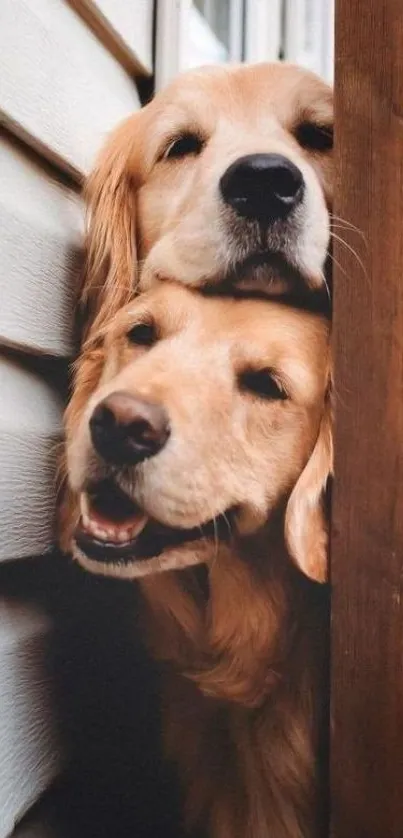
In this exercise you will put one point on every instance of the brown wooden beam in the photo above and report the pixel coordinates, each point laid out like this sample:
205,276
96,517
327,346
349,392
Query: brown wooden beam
367,517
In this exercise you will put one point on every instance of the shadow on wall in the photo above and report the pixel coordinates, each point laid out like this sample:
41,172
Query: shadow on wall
106,702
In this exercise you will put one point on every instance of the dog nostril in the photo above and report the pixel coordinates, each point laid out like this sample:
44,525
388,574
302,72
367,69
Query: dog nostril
127,430
102,424
143,432
286,182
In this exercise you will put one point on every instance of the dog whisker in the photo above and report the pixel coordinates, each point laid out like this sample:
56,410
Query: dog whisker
215,539
326,284
353,252
227,521
347,224
338,265
342,229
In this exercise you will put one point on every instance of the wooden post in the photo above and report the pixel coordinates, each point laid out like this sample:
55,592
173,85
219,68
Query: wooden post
367,518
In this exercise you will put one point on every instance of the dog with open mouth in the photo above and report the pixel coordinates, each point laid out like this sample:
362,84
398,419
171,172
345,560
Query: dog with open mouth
224,179
199,436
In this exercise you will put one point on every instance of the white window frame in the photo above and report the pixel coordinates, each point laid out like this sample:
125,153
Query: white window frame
263,37
236,34
170,18
314,48
328,38
172,32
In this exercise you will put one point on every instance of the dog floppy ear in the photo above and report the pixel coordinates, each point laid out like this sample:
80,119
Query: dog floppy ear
306,528
110,271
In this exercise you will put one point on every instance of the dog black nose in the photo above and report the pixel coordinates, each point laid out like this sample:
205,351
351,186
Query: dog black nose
126,430
262,187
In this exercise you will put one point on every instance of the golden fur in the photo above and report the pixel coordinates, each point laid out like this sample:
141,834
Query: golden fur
242,660
153,217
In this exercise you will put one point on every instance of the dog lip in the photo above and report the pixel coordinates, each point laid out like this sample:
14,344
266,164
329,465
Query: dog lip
107,551
265,274
150,543
111,517
275,261
275,265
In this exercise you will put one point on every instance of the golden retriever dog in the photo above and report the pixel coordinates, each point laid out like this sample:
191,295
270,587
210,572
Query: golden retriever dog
224,178
198,447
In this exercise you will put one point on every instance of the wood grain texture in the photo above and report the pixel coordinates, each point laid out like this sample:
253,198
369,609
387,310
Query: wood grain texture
126,29
41,229
30,431
367,529
61,90
29,748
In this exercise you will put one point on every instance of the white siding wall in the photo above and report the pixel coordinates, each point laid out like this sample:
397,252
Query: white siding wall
41,229
29,750
30,430
69,73
59,85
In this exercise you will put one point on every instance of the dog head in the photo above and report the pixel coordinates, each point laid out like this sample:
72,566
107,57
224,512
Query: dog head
197,418
225,177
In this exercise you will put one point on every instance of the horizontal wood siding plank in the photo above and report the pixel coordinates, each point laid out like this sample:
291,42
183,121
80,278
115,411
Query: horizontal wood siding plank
29,749
125,27
61,90
41,228
30,433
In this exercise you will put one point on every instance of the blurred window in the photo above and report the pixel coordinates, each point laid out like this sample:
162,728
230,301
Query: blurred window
215,33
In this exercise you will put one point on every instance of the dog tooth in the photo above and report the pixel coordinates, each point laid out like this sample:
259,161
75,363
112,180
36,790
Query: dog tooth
114,534
138,526
85,520
84,509
99,532
88,524
84,503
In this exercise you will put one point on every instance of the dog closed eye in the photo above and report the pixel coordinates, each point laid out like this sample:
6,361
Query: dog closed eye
314,137
186,144
188,188
263,383
143,334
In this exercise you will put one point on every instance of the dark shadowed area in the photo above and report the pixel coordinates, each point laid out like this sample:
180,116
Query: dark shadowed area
106,698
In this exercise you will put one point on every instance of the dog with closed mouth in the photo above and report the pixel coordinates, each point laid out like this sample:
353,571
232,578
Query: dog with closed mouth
199,436
224,179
